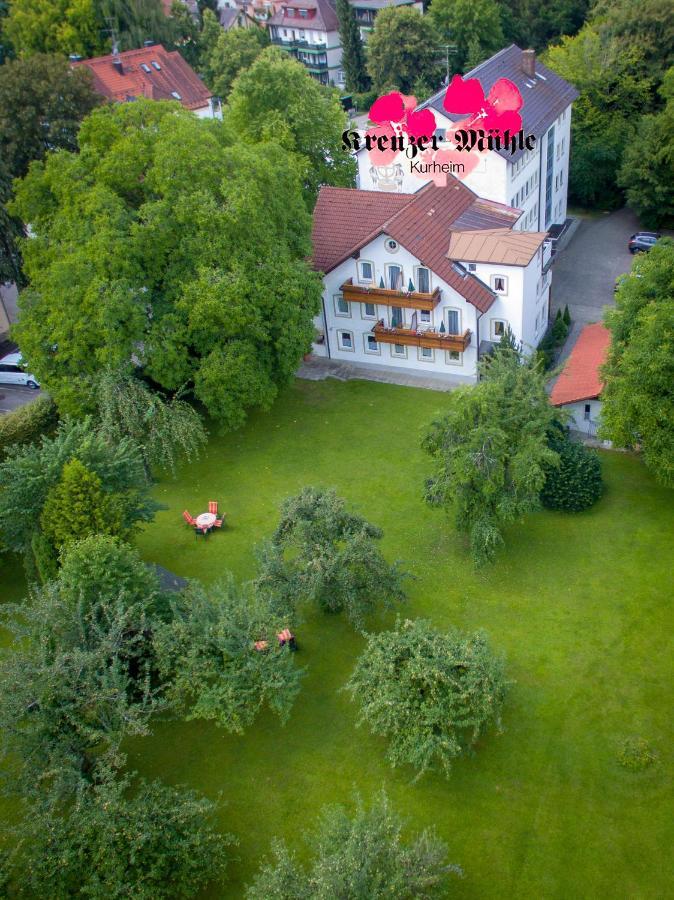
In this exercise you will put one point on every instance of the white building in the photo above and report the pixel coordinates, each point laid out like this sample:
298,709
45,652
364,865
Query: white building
425,281
579,385
534,181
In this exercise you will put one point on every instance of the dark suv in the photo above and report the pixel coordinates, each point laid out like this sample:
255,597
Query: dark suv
643,240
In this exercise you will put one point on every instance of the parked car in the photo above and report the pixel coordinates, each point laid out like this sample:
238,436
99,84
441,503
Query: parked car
643,240
12,371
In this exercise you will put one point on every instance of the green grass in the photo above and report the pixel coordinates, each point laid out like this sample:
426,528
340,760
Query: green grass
581,605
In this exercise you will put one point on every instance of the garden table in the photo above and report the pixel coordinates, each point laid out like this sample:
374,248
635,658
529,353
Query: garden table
206,520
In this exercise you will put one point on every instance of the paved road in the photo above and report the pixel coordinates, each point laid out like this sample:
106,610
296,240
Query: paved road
12,397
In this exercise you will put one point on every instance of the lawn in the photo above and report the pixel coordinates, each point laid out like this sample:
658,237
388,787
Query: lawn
580,604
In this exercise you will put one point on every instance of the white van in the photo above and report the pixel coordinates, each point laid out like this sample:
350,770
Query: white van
13,372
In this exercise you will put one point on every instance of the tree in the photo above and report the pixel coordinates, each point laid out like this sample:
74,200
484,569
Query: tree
76,506
353,54
54,26
163,429
537,23
402,50
234,51
432,694
121,839
136,22
575,483
29,473
490,450
647,26
474,26
276,98
163,244
637,400
358,856
613,95
647,172
322,554
207,655
11,231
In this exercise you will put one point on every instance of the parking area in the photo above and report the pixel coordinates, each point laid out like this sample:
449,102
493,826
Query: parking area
12,397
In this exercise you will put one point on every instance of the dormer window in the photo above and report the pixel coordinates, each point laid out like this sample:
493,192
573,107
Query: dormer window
304,13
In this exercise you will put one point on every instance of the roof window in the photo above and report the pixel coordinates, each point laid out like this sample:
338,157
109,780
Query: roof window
145,68
176,95
156,65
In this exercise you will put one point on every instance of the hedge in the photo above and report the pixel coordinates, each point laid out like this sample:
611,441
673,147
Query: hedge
576,484
25,424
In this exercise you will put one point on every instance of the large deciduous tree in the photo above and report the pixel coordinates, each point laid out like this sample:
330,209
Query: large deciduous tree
490,450
207,655
473,26
358,856
323,554
277,99
403,51
638,396
431,693
234,51
55,26
164,244
353,54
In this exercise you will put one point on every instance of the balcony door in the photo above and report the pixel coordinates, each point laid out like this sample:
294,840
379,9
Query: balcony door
395,278
396,317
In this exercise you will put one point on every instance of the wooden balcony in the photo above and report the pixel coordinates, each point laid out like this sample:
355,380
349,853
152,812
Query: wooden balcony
434,340
360,293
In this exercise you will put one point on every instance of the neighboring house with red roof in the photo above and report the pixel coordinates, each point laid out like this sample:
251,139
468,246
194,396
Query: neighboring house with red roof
152,72
579,385
533,181
425,281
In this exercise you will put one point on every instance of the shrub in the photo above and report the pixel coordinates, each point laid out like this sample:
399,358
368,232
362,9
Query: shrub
431,693
567,316
364,100
25,424
576,483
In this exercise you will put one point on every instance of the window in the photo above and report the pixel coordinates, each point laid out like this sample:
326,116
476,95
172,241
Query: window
371,345
342,307
394,278
512,201
423,280
499,284
440,133
345,340
536,323
586,414
453,321
498,328
302,35
426,354
391,245
399,350
425,316
369,311
453,358
365,272
472,267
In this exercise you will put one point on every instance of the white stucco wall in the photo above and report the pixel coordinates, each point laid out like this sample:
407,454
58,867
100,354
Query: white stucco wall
577,420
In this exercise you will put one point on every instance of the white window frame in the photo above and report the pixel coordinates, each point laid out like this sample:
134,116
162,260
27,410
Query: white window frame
395,355
367,347
361,278
445,317
340,343
492,284
492,328
363,311
423,358
417,279
341,315
453,362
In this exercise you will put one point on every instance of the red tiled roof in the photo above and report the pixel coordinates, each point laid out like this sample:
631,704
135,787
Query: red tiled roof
346,219
580,379
322,15
170,74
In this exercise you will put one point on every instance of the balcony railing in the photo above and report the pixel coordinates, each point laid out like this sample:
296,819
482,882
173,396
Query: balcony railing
434,340
360,293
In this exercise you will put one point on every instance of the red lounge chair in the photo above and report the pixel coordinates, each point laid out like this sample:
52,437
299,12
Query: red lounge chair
261,646
218,522
189,518
287,637
213,507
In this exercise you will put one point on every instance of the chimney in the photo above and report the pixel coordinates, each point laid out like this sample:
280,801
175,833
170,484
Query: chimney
117,63
529,63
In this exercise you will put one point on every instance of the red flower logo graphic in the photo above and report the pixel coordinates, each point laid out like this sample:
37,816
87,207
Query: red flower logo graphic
498,111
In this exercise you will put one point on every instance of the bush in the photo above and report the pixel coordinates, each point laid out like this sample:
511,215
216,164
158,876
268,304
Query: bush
364,100
576,483
25,424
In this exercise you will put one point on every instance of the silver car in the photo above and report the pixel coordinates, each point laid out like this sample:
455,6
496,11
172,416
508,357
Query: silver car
12,371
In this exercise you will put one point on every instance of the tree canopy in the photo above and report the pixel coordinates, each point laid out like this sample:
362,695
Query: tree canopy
403,52
353,52
325,555
358,856
490,449
234,51
276,99
473,26
431,693
163,244
54,26
638,395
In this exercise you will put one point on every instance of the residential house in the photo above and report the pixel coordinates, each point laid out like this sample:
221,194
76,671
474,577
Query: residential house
579,385
426,281
246,13
533,181
152,72
309,31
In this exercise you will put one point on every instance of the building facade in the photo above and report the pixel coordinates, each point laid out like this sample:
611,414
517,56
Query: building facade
428,281
533,181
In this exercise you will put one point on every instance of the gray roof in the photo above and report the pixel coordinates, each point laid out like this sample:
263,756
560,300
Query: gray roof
544,98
